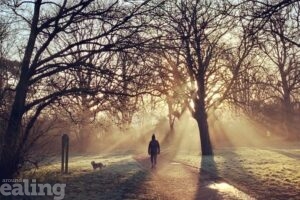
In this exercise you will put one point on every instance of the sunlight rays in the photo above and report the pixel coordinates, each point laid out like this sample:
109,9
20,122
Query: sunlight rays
236,129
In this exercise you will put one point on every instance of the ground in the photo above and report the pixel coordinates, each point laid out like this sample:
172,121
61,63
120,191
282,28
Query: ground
261,173
243,173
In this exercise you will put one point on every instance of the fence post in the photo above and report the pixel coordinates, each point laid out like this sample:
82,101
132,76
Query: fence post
65,154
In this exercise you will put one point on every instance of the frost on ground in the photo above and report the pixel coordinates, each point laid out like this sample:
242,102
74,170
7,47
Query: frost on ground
121,178
263,173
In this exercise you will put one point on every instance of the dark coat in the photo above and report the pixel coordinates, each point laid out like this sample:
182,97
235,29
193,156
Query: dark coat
153,148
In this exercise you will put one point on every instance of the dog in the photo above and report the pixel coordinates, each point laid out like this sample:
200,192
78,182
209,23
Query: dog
97,165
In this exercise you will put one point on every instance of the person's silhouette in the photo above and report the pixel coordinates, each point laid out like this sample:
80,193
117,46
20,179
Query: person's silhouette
153,150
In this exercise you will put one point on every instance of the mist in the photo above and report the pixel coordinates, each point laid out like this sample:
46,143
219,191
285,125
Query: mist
228,129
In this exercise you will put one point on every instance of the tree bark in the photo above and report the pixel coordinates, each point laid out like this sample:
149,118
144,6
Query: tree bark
287,113
9,158
201,117
206,147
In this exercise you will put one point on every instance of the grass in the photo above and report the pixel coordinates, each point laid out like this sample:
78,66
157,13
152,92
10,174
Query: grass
264,173
261,172
121,178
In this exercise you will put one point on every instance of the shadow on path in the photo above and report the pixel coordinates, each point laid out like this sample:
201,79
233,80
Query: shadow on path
206,179
212,186
260,174
176,180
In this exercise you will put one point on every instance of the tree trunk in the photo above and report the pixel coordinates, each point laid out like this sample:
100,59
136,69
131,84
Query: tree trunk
9,160
171,117
201,117
9,164
287,115
287,105
9,157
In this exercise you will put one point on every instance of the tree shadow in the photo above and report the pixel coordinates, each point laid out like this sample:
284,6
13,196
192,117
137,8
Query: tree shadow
240,172
244,177
286,153
212,186
208,175
262,184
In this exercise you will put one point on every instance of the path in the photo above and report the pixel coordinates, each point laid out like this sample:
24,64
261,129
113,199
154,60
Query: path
175,180
128,177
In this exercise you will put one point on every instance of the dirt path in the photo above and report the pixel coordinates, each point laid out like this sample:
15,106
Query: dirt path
129,177
174,180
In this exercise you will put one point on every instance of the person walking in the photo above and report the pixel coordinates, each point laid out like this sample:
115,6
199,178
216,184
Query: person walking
153,150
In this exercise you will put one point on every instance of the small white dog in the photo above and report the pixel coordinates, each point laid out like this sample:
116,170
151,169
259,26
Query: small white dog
97,165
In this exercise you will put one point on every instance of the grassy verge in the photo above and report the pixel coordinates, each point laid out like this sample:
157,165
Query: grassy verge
121,178
264,173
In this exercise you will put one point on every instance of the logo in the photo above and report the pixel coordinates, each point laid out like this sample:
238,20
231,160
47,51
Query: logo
23,187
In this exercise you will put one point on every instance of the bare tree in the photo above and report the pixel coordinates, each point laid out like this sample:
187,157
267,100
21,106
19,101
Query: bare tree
268,88
49,52
262,12
8,73
284,57
200,32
